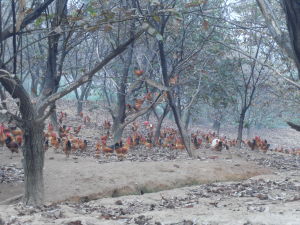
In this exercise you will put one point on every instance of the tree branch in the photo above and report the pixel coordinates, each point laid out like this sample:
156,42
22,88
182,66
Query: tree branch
27,20
88,76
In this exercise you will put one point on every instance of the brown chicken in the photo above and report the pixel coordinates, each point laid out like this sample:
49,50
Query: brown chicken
83,145
138,104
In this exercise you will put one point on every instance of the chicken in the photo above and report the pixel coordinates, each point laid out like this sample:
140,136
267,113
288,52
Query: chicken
11,145
129,108
55,142
252,144
15,131
67,147
138,104
62,116
98,149
121,150
129,142
196,142
19,139
2,135
74,143
62,131
110,149
173,80
50,128
217,144
83,145
138,72
106,125
148,143
86,120
148,96
178,144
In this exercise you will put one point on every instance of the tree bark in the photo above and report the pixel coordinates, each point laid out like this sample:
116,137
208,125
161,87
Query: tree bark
240,128
159,123
182,131
33,163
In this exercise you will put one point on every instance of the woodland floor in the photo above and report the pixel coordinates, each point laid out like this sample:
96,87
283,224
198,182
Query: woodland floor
159,186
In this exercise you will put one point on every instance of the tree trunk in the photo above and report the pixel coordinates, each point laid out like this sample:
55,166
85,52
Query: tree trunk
248,132
118,133
79,106
186,115
3,98
182,131
217,126
54,120
33,164
240,128
159,123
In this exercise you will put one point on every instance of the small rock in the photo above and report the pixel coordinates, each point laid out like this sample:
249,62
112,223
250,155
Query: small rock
119,202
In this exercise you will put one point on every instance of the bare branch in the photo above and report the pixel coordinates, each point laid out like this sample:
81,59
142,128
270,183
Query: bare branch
88,76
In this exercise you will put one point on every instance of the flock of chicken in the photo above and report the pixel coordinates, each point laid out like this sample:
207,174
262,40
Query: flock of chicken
67,140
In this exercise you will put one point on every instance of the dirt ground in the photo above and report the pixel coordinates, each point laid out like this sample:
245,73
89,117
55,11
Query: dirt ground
156,186
76,177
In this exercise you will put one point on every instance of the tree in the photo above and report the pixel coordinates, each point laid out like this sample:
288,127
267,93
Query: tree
34,111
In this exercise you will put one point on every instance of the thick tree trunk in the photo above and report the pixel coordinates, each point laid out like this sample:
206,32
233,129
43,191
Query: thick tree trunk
240,128
33,164
118,133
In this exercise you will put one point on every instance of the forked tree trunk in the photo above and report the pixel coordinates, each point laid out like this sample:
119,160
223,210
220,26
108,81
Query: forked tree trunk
159,123
33,164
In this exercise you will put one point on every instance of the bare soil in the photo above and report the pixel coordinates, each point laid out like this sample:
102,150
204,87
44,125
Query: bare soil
158,186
